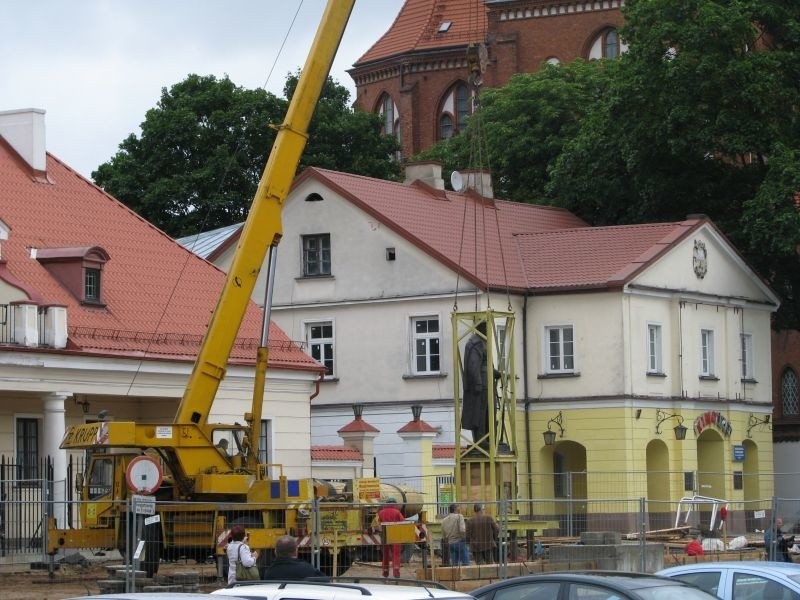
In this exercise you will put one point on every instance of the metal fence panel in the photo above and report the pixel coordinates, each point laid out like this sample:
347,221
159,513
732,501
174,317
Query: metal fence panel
547,533
23,511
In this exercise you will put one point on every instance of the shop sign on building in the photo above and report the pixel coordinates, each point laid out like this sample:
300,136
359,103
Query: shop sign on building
738,453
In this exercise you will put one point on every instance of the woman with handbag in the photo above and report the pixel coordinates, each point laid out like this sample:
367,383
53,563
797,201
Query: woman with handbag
241,561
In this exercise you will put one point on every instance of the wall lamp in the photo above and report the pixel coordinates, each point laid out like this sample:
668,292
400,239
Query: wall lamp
83,403
550,435
358,410
754,421
416,411
680,429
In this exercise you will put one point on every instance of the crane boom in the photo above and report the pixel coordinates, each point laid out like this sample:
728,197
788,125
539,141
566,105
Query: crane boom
200,489
263,227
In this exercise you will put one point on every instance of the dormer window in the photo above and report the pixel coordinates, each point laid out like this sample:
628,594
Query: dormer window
91,284
79,269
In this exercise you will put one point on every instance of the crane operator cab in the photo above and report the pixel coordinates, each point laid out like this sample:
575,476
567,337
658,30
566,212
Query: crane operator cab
231,445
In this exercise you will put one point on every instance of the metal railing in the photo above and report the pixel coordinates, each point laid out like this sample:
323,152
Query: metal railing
24,502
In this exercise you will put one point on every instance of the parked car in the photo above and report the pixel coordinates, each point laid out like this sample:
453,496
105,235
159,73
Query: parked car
343,588
590,585
742,580
148,596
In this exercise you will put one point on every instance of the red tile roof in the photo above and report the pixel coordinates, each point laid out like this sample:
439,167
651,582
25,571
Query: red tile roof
417,426
417,28
434,221
444,450
158,296
597,257
343,453
358,425
505,244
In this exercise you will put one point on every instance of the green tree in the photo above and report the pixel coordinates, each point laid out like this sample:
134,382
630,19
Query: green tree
701,115
521,128
701,118
345,140
771,228
203,148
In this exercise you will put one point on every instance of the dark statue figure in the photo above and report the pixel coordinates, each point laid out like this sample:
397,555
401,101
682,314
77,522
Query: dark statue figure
475,409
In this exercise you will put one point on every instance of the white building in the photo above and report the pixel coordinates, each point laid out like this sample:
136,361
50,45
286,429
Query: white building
622,332
101,311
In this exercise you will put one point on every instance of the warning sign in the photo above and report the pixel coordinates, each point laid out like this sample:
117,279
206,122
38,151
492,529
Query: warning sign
368,488
335,520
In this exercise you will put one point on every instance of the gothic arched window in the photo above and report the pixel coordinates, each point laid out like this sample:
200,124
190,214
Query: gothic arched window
789,393
390,118
607,45
388,112
454,111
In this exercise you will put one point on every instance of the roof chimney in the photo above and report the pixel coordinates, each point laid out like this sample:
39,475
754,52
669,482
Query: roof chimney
479,180
23,129
429,172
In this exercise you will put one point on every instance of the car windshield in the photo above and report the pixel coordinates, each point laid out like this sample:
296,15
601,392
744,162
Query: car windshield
705,580
673,592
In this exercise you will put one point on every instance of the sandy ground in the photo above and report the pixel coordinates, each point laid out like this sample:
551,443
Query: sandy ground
74,580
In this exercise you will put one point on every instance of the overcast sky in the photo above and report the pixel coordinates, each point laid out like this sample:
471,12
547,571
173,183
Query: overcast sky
96,66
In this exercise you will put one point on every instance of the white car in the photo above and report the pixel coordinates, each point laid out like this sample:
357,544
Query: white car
341,589
746,580
148,596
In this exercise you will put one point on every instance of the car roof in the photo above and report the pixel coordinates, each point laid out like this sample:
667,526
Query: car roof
619,579
776,568
397,590
148,596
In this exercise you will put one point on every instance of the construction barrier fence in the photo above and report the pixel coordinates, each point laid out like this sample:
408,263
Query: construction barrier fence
641,534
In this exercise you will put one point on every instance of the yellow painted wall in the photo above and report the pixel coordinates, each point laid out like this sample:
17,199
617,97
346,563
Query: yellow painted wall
615,445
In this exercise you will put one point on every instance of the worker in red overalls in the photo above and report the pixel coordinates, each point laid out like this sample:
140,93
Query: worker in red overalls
390,514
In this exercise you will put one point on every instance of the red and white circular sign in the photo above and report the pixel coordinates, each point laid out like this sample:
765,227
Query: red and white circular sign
144,475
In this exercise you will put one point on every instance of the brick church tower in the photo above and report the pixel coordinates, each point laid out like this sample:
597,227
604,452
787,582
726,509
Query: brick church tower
417,75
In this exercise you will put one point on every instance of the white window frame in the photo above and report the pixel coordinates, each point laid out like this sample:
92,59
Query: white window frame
546,351
707,352
322,340
748,369
91,284
425,336
655,348
501,350
323,266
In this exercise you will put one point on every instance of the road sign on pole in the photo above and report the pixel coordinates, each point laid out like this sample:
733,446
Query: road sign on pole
144,505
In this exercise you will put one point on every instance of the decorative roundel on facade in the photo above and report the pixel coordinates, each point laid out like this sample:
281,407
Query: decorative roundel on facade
700,259
143,475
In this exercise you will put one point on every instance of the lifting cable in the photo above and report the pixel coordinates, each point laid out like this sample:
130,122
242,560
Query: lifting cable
477,60
228,167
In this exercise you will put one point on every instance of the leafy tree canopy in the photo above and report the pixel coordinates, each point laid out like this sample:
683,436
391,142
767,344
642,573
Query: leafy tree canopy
345,140
202,150
520,129
701,115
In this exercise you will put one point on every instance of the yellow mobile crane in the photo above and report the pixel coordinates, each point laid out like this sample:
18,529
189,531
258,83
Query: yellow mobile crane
199,480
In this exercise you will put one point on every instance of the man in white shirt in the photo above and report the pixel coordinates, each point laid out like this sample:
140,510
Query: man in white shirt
454,535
